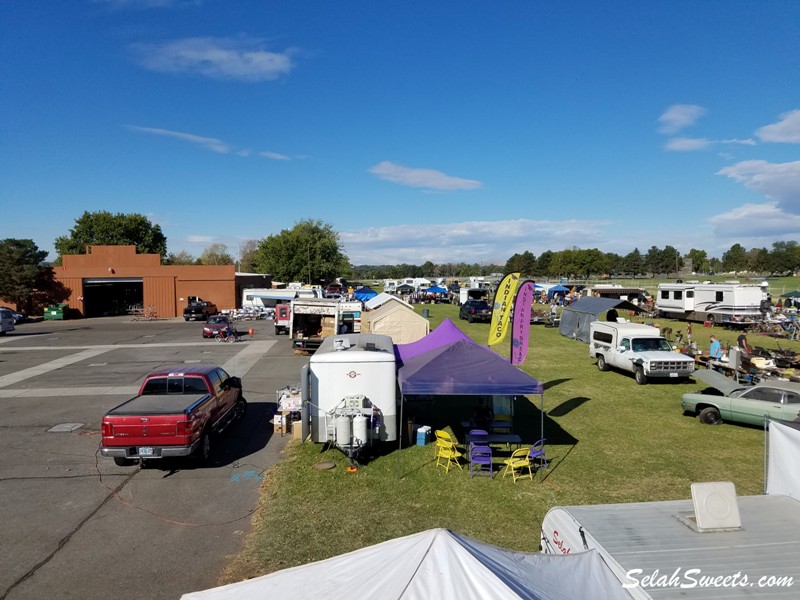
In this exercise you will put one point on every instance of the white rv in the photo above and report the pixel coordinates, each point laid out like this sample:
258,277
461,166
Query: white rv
350,391
729,302
269,297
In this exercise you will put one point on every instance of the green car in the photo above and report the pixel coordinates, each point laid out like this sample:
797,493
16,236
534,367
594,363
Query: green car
740,403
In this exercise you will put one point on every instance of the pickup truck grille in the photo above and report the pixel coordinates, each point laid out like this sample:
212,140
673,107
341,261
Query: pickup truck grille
672,365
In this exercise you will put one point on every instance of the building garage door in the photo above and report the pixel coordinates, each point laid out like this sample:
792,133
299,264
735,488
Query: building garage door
110,296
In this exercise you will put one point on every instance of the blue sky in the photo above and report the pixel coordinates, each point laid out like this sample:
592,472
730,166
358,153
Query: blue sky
446,131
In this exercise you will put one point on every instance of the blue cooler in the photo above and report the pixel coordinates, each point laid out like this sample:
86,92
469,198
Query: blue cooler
423,435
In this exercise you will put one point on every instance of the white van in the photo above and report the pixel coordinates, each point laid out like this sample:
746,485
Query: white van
6,321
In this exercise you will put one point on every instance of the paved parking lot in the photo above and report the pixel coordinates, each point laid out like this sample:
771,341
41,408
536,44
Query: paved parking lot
74,525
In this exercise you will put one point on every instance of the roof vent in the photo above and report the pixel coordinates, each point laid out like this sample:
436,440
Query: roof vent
370,346
715,508
341,344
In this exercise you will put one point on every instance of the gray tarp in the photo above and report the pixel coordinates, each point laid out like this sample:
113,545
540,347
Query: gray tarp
576,317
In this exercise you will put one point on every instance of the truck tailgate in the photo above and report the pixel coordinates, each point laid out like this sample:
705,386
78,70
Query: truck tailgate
144,431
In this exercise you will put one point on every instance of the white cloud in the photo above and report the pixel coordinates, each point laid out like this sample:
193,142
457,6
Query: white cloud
755,221
470,242
785,130
687,144
211,143
746,142
274,156
200,239
425,178
678,117
241,59
777,181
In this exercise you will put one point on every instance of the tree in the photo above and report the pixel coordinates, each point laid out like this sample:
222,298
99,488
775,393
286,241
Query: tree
181,258
699,260
652,260
543,263
784,257
104,228
216,254
309,251
633,263
20,266
524,263
758,260
734,259
670,260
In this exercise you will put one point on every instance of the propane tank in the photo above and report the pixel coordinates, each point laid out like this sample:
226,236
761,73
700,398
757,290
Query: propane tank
360,430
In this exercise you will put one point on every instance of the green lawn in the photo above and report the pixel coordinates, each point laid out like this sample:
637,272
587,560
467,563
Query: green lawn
609,441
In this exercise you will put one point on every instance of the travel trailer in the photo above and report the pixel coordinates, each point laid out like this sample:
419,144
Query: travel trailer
350,392
270,297
729,302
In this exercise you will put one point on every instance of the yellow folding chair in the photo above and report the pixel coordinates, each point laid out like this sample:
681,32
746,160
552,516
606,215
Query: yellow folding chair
449,454
443,439
518,461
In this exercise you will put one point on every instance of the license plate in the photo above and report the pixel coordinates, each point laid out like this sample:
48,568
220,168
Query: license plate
146,451
673,374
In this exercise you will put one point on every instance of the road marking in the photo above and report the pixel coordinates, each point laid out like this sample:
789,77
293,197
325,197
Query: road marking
239,365
13,378
106,347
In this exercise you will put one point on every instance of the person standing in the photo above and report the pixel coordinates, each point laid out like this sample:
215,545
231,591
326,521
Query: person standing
741,341
715,351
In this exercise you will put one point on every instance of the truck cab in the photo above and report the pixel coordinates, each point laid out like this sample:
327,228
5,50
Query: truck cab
636,348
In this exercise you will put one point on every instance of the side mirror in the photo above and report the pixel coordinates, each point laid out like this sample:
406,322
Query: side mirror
622,349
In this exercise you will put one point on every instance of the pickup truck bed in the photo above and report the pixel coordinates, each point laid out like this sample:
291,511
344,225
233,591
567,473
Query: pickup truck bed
169,404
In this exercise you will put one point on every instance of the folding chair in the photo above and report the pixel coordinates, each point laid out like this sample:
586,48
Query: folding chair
518,461
537,455
449,454
479,458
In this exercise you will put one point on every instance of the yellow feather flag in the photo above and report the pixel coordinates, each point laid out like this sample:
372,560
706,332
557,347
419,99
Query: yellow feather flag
501,308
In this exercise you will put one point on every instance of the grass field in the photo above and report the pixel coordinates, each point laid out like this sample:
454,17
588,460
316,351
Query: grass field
609,440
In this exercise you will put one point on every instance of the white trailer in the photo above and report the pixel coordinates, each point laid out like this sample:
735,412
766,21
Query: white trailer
350,391
729,302
259,298
314,319
657,551
473,293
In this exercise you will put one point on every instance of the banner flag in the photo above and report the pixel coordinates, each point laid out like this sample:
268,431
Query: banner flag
501,308
521,323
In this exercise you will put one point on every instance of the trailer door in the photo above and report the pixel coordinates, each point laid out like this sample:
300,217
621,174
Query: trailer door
688,301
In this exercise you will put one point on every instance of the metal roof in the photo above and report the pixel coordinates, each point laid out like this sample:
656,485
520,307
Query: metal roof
648,536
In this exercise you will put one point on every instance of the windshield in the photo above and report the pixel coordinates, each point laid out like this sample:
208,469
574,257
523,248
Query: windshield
650,344
218,320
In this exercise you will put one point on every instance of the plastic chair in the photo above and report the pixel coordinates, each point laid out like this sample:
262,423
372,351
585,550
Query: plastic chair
537,455
450,454
479,458
518,461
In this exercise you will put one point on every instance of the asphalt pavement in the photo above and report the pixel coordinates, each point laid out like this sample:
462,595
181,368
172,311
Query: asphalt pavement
75,525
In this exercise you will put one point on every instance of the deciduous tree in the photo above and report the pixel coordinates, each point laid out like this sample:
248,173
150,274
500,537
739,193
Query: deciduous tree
105,228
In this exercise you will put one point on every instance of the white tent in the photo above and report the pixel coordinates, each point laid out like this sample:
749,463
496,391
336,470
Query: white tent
433,564
382,299
783,477
397,320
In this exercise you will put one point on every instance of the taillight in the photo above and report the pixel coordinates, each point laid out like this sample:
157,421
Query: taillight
183,428
107,429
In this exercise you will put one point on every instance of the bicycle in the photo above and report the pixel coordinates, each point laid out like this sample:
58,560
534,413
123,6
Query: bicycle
223,336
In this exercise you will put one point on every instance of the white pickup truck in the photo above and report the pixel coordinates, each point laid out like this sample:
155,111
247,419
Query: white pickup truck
637,348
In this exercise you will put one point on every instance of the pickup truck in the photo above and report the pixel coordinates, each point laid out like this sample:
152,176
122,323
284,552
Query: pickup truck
199,310
176,413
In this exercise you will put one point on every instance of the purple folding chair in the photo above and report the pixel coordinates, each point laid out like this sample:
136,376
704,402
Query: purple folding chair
480,457
479,432
537,455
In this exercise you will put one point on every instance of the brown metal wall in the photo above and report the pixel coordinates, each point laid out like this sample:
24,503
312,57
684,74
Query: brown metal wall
75,285
160,292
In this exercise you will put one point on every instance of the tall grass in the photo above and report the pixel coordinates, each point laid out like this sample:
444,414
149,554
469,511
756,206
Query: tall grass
609,440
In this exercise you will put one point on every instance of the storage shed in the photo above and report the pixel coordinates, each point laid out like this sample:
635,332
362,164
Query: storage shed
397,320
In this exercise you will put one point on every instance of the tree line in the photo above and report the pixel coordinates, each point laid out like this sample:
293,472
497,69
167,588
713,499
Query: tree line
311,252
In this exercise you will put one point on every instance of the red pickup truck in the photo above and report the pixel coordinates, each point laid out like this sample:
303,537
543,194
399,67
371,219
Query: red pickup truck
176,412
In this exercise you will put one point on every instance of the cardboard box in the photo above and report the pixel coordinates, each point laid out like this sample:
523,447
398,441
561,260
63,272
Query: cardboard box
277,422
297,430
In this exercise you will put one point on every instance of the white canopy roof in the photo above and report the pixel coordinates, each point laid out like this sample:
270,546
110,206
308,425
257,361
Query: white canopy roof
433,564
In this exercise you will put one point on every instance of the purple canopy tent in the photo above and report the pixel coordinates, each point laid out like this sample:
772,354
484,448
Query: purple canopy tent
446,333
464,368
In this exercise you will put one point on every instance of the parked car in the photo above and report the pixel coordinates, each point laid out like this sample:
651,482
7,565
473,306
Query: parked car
475,310
741,403
215,324
19,317
199,309
6,321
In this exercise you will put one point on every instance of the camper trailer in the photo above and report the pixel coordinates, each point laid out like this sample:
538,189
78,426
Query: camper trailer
350,391
258,298
729,302
314,319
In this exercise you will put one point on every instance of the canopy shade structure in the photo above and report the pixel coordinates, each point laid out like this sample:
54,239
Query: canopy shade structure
464,368
436,563
556,289
576,317
365,293
792,294
446,333
436,290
